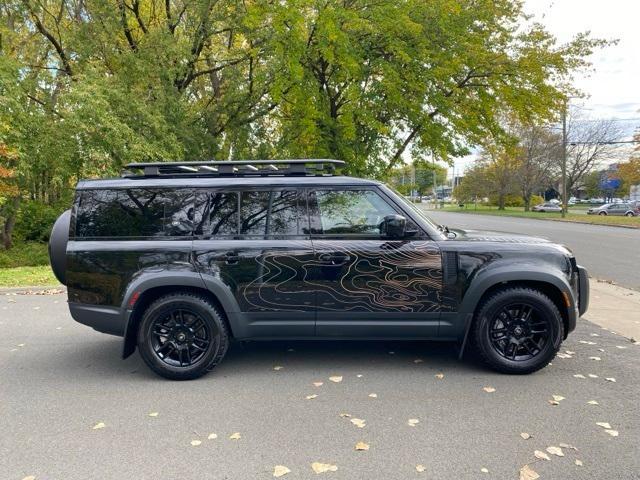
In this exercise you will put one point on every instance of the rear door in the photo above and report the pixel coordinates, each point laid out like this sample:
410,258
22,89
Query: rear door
367,285
256,244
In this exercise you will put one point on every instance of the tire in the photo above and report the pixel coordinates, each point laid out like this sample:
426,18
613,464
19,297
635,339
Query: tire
629,214
182,336
499,312
602,213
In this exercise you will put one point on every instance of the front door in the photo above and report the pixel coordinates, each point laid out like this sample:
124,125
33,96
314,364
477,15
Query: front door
255,244
369,286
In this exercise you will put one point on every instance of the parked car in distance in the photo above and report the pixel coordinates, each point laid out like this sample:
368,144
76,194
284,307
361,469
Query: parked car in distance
620,209
547,207
182,258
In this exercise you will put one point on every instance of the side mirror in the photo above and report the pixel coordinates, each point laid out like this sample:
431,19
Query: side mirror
393,226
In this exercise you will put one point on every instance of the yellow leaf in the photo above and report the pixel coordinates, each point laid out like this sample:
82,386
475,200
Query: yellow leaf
421,468
317,384
362,446
345,415
98,426
525,436
212,436
358,422
280,470
153,414
527,473
555,451
579,462
195,443
489,389
484,470
610,379
558,398
593,402
278,367
30,477
311,397
336,379
439,376
373,395
323,467
541,455
412,422
613,433
603,424
235,436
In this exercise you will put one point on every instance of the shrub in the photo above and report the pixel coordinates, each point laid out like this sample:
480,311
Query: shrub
35,220
509,200
536,200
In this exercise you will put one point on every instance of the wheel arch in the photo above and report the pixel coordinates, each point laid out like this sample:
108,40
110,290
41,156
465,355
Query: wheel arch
141,294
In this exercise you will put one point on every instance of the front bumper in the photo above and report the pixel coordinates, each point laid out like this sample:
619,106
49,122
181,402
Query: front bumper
583,290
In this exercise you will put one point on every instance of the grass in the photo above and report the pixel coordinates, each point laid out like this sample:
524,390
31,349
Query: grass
27,277
571,217
26,265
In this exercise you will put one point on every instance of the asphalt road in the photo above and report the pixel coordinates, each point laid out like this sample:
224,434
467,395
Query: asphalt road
609,253
66,378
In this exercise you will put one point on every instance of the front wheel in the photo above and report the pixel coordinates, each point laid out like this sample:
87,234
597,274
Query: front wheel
603,213
182,336
518,330
629,214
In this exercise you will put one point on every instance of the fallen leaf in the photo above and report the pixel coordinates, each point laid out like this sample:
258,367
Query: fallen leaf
579,375
439,376
601,349
566,445
358,422
484,470
594,334
421,468
153,414
541,455
555,451
212,436
278,367
527,473
418,360
591,375
620,347
323,467
603,424
412,422
98,426
317,384
235,436
335,379
359,375
578,462
553,402
569,352
586,342
373,395
595,358
558,398
280,470
563,355
525,436
489,389
362,446
311,397
21,345
30,477
613,433
195,443
345,415
593,402
610,379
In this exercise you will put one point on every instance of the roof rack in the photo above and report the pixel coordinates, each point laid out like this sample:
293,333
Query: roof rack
234,168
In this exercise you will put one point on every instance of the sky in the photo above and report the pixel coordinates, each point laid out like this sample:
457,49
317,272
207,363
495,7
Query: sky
613,85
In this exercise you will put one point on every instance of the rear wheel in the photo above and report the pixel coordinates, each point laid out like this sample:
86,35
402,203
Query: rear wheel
629,214
518,330
182,336
602,213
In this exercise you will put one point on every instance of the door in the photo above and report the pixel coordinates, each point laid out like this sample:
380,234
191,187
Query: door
255,245
368,285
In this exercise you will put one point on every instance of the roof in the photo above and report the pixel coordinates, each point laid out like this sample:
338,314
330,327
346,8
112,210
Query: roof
205,181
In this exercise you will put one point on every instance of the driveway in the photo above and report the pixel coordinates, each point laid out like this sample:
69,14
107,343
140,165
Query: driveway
60,380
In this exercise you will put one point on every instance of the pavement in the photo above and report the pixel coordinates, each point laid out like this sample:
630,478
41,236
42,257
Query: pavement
60,380
609,253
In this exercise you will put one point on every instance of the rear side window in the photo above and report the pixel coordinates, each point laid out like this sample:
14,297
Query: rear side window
251,214
138,212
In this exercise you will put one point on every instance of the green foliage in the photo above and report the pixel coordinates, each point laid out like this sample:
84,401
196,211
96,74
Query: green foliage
35,220
510,200
536,200
26,254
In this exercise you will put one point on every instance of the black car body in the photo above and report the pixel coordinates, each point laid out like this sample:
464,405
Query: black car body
293,255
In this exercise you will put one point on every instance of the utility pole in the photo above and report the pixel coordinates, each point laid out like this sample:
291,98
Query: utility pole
564,160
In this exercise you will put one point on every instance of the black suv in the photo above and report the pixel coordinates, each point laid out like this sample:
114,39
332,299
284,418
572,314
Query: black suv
181,258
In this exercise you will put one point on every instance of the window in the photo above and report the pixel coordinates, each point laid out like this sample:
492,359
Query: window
350,212
256,214
136,212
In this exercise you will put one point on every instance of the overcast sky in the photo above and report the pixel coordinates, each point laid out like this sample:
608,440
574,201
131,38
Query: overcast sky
613,87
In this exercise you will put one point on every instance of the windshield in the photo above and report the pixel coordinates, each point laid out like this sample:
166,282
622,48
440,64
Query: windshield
418,211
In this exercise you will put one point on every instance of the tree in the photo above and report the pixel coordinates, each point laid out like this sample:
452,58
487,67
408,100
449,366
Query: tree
419,176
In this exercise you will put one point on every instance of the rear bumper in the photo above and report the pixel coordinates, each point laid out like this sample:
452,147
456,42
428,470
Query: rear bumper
583,290
103,319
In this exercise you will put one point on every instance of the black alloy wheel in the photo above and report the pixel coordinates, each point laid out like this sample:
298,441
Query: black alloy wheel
182,336
517,330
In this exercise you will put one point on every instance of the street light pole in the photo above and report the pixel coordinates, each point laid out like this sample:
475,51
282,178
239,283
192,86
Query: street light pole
564,160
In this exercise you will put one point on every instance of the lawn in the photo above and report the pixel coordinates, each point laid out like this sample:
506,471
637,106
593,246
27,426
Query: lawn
26,264
571,217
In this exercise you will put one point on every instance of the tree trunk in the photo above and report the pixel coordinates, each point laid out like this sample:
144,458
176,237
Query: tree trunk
527,202
9,223
501,201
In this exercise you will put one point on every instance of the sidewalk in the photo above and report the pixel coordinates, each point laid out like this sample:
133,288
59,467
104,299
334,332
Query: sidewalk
615,308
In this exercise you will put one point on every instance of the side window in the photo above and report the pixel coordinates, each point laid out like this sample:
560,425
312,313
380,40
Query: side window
135,212
216,214
271,213
256,213
350,212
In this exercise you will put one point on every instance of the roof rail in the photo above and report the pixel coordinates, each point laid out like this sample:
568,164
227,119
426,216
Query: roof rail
234,168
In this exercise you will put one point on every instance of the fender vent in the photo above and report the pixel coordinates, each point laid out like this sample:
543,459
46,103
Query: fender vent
449,267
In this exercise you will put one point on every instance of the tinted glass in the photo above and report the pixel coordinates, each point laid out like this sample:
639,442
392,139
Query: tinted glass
217,213
271,213
351,212
134,213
